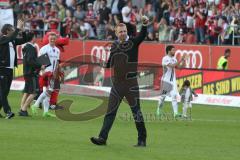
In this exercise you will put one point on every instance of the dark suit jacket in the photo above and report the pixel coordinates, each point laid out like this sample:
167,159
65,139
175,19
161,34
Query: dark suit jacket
4,47
124,57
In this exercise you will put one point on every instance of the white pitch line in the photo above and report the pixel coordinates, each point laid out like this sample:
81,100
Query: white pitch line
216,120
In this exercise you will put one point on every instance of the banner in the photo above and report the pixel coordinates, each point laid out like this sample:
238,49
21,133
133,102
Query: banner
81,60
218,51
211,82
6,17
199,56
4,3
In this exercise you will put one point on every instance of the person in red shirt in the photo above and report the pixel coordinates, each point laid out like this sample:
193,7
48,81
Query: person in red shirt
213,30
68,23
60,41
53,21
199,25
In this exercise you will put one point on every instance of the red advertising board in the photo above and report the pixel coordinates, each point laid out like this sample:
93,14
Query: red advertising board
211,82
197,56
96,51
151,53
200,58
218,51
72,50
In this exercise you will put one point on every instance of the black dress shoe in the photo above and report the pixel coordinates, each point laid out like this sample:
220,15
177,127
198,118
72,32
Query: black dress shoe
9,115
23,113
98,141
140,144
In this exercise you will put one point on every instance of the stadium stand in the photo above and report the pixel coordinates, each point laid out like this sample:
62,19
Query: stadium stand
182,21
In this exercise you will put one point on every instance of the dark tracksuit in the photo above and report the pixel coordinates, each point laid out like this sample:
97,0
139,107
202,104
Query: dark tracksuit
6,74
31,68
124,59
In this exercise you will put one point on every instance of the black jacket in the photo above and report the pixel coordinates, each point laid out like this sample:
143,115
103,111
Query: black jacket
31,66
4,47
124,57
120,5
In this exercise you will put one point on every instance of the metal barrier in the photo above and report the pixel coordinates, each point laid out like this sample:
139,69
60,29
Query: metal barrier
236,34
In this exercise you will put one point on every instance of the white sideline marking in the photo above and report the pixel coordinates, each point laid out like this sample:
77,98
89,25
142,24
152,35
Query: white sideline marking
215,120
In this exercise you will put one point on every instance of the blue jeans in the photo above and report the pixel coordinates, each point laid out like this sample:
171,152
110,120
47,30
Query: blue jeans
199,34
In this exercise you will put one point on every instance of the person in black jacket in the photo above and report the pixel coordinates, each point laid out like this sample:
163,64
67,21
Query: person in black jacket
8,60
123,58
116,8
31,68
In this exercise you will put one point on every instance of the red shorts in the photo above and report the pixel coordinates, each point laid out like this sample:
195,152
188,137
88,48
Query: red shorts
43,80
54,97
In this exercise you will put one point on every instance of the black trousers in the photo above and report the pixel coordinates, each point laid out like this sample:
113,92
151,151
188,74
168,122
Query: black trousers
130,90
6,76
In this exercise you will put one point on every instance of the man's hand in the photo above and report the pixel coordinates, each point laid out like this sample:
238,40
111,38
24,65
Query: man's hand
182,61
20,24
43,67
145,20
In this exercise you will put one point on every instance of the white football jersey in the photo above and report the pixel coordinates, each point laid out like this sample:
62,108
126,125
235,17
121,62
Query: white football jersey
54,56
169,74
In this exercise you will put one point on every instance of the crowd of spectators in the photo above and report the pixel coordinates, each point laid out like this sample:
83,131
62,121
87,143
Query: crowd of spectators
171,21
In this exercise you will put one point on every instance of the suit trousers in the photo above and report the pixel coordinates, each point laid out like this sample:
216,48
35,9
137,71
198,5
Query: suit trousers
6,77
129,90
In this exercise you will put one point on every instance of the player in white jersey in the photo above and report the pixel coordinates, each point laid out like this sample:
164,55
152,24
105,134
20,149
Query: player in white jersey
52,51
54,56
168,81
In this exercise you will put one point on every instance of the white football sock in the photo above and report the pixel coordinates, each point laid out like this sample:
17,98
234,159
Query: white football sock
185,106
46,104
40,99
161,101
175,105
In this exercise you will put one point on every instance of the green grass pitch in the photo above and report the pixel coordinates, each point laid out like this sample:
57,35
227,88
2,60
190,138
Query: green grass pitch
213,134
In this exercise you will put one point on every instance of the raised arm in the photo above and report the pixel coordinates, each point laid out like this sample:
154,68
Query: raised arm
178,64
138,39
9,38
141,36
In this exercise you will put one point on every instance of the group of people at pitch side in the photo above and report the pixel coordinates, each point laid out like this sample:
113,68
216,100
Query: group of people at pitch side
39,78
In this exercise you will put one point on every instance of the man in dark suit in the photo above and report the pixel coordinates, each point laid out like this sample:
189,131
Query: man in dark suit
123,59
8,60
